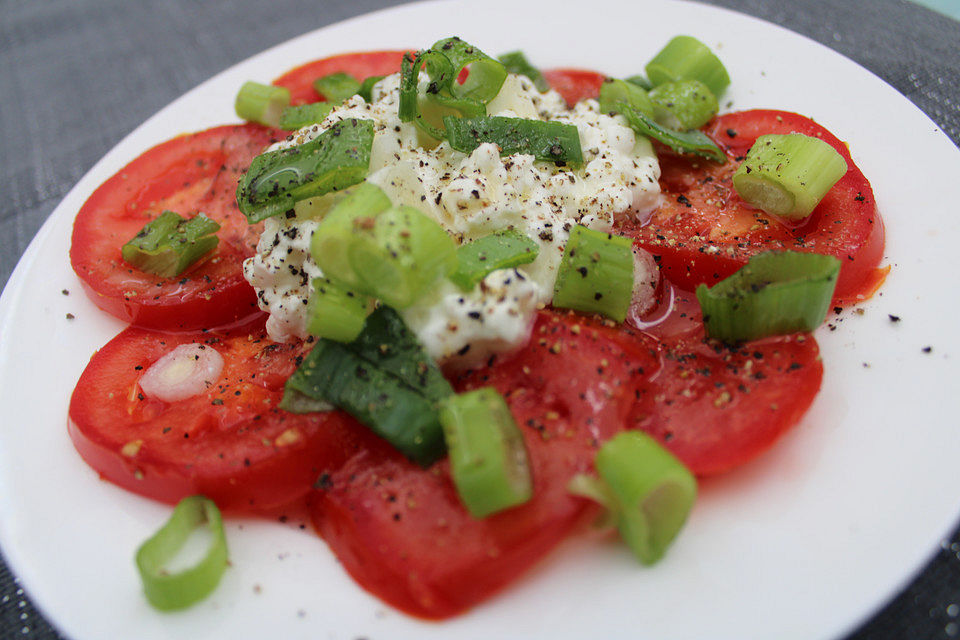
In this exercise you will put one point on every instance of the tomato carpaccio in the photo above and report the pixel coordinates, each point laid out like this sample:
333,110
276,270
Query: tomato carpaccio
400,530
190,174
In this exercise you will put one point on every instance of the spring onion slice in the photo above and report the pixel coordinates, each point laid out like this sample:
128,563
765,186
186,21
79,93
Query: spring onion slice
298,402
641,81
650,492
486,74
686,58
693,142
684,105
398,254
169,591
775,293
502,250
293,118
595,274
169,244
488,460
788,175
334,160
366,87
516,62
617,94
335,313
332,237
551,141
336,87
409,75
261,103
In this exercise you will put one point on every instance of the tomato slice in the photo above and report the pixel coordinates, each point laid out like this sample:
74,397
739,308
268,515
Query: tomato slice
717,407
703,231
360,65
574,84
191,173
402,532
230,443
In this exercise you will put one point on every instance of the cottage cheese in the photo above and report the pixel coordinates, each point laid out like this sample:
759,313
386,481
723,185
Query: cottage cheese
470,196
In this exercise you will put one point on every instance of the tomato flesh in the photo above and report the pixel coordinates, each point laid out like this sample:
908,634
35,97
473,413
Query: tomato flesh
574,84
703,231
230,443
189,174
359,65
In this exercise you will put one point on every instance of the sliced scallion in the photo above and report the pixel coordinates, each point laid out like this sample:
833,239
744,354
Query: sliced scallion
502,250
788,175
617,94
684,105
693,142
336,87
336,313
488,460
334,160
595,274
176,590
486,74
293,118
649,492
516,62
686,58
366,87
261,103
551,141
169,244
777,292
641,81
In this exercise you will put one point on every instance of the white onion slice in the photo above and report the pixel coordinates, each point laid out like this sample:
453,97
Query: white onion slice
183,373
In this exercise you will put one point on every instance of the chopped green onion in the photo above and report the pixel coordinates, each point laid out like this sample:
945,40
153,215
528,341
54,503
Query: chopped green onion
649,492
337,158
409,76
293,118
169,244
777,292
516,62
501,250
684,105
384,379
168,591
550,141
297,402
595,274
694,142
488,460
485,77
335,313
332,237
336,87
616,94
366,87
398,254
788,175
641,81
261,103
686,58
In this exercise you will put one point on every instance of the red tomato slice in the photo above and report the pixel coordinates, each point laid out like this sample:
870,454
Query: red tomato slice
230,443
574,84
703,231
192,173
402,532
716,407
360,65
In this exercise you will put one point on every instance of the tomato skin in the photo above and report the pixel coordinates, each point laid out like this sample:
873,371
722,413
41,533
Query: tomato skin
402,532
574,84
716,407
191,173
360,65
703,231
230,443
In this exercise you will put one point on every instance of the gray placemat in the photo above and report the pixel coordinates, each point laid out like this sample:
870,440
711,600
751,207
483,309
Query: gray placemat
75,77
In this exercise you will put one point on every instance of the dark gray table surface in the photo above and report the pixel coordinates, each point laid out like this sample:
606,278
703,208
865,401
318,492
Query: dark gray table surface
76,76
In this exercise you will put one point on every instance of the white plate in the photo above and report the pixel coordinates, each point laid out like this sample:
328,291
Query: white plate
802,543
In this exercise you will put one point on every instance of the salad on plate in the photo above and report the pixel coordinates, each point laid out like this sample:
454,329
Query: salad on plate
459,309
